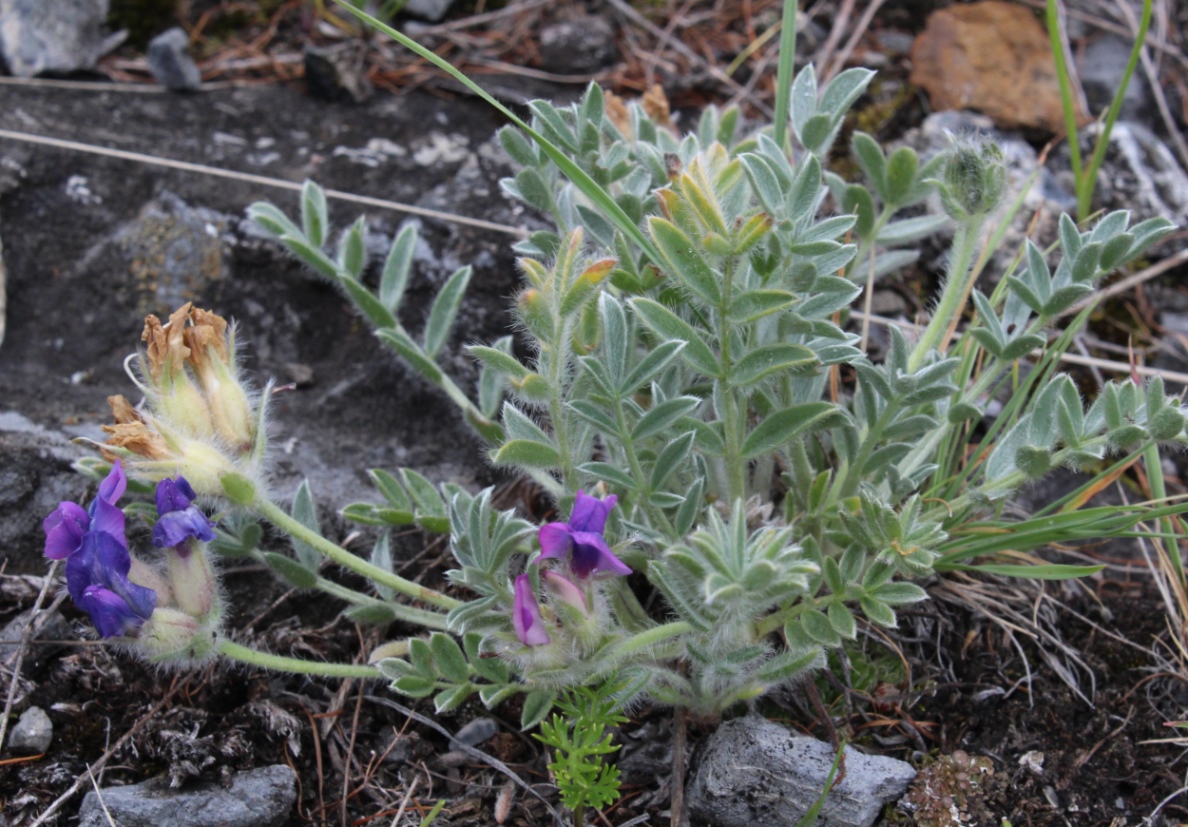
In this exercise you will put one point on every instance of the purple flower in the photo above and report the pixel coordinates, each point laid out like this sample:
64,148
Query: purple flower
97,578
66,526
526,619
581,538
93,545
566,590
179,519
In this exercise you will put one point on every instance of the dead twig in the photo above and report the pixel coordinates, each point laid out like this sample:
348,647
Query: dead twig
51,811
469,750
19,658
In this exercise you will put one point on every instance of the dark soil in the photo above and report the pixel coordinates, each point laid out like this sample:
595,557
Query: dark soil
79,283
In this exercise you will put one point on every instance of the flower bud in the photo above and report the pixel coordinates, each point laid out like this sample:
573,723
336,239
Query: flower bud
198,417
171,635
526,618
975,178
533,310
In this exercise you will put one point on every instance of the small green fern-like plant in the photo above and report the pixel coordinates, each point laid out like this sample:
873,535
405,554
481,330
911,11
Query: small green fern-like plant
579,738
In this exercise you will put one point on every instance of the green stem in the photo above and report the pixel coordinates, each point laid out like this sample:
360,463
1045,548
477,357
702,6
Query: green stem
243,654
847,479
732,400
1066,96
1154,464
1087,182
556,353
637,471
271,512
646,639
955,292
787,68
408,614
765,626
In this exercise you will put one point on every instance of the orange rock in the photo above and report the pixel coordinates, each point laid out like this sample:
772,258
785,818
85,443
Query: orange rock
994,57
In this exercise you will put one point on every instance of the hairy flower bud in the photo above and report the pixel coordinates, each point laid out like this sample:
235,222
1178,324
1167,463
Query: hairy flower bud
172,636
975,178
198,417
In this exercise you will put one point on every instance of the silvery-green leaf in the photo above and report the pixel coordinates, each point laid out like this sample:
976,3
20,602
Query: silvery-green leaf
445,309
662,415
411,352
290,570
397,267
448,657
314,218
305,512
527,453
670,326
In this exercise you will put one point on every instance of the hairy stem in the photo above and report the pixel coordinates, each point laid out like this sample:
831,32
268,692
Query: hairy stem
955,293
271,512
244,654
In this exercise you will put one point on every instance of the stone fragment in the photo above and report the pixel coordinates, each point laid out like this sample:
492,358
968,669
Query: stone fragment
336,73
994,57
173,250
579,46
431,10
1139,174
1100,70
35,475
32,733
475,732
755,773
49,626
170,62
39,37
262,797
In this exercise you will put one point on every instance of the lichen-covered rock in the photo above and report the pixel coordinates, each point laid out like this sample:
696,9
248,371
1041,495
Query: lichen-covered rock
994,57
260,798
953,792
755,773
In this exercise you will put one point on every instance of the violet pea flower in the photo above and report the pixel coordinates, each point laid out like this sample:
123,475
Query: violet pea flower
93,544
529,625
581,539
97,579
179,519
67,524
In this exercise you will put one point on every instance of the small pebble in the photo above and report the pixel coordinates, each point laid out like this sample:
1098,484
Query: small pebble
32,733
474,733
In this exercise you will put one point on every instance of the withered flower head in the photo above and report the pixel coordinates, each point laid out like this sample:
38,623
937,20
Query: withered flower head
198,418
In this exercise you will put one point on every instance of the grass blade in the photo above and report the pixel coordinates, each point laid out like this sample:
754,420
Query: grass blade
600,197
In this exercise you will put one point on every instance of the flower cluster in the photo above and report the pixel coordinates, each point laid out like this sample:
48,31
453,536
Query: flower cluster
580,546
92,543
170,616
198,417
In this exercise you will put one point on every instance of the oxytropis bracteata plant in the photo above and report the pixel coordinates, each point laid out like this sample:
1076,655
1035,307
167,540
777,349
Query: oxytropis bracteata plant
686,388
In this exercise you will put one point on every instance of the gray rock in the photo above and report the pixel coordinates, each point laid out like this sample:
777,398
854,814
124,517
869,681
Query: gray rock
1102,66
33,733
475,732
170,62
432,10
1141,174
578,46
262,797
174,249
754,773
38,38
49,626
335,73
35,475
